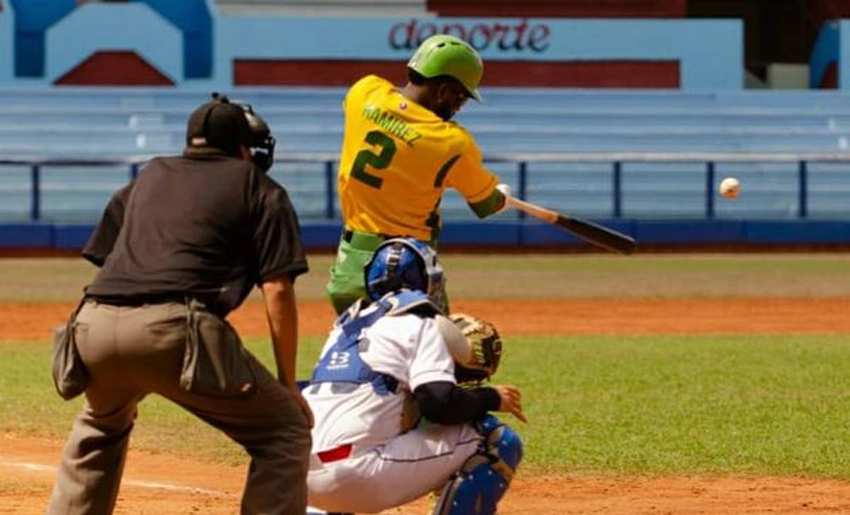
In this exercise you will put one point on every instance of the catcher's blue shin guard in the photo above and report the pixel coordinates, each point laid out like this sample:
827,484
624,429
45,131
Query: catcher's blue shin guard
484,478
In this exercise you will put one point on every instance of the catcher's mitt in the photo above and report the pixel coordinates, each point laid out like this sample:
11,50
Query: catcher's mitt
477,355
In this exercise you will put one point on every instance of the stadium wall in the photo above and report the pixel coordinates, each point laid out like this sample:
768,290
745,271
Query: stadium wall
191,45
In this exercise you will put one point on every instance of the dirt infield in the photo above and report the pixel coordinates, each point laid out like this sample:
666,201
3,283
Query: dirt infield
549,316
197,487
163,484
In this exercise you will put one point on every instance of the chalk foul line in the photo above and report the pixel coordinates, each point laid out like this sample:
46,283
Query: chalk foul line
35,467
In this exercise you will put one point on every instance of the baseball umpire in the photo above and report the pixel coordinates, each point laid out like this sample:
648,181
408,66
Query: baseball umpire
400,152
178,249
385,363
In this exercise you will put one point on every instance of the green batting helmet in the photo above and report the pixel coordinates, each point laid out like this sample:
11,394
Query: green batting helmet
443,54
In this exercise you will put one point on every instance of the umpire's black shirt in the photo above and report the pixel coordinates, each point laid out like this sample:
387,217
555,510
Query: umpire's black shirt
204,224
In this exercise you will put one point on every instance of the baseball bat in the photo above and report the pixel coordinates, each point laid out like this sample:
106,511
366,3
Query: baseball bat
587,230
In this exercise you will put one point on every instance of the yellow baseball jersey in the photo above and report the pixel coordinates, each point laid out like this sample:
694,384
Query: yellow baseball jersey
397,160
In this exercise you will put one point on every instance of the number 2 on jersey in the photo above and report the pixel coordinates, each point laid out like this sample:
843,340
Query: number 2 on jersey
377,161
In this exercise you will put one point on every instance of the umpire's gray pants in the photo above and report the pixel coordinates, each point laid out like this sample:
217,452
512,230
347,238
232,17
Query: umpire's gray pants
133,351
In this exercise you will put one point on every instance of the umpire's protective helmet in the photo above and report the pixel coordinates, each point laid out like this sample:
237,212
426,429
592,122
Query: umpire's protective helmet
228,126
262,142
404,263
447,55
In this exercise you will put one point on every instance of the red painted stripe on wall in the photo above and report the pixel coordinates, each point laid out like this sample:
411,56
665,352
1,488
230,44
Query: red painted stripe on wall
114,68
830,78
579,74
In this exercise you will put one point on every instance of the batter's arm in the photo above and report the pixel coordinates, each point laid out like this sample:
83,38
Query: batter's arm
490,205
474,181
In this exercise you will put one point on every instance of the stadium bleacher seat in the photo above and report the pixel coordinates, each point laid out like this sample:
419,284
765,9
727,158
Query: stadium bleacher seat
115,123
120,123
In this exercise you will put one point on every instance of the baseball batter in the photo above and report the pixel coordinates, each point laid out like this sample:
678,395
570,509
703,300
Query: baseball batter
399,154
385,363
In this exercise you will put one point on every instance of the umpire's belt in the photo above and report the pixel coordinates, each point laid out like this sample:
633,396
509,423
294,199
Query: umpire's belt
149,298
335,454
363,240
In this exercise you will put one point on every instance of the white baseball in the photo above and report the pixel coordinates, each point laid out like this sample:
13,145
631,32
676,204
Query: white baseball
730,187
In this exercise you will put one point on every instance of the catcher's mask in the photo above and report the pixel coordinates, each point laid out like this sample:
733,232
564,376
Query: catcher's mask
228,126
404,263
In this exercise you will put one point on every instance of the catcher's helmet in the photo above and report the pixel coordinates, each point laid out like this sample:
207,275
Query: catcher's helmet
443,54
229,126
404,263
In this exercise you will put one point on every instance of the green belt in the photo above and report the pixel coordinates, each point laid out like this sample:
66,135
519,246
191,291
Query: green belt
363,240
370,241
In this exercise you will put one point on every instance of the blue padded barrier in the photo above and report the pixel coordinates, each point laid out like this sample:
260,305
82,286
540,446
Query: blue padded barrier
798,232
478,233
512,236
26,235
321,234
537,233
689,231
71,237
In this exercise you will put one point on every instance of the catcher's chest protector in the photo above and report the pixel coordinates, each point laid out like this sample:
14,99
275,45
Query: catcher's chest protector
342,363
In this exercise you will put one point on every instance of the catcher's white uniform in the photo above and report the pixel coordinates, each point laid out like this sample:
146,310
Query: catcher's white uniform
365,457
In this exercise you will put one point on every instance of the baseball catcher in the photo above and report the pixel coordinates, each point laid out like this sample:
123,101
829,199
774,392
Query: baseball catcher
392,421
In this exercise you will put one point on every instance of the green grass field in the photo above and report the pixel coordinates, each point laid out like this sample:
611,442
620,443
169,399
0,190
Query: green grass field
600,405
597,405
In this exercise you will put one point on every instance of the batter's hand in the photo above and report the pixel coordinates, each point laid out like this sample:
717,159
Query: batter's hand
511,400
506,191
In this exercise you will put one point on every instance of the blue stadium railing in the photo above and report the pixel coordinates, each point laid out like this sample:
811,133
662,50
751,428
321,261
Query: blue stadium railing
707,163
